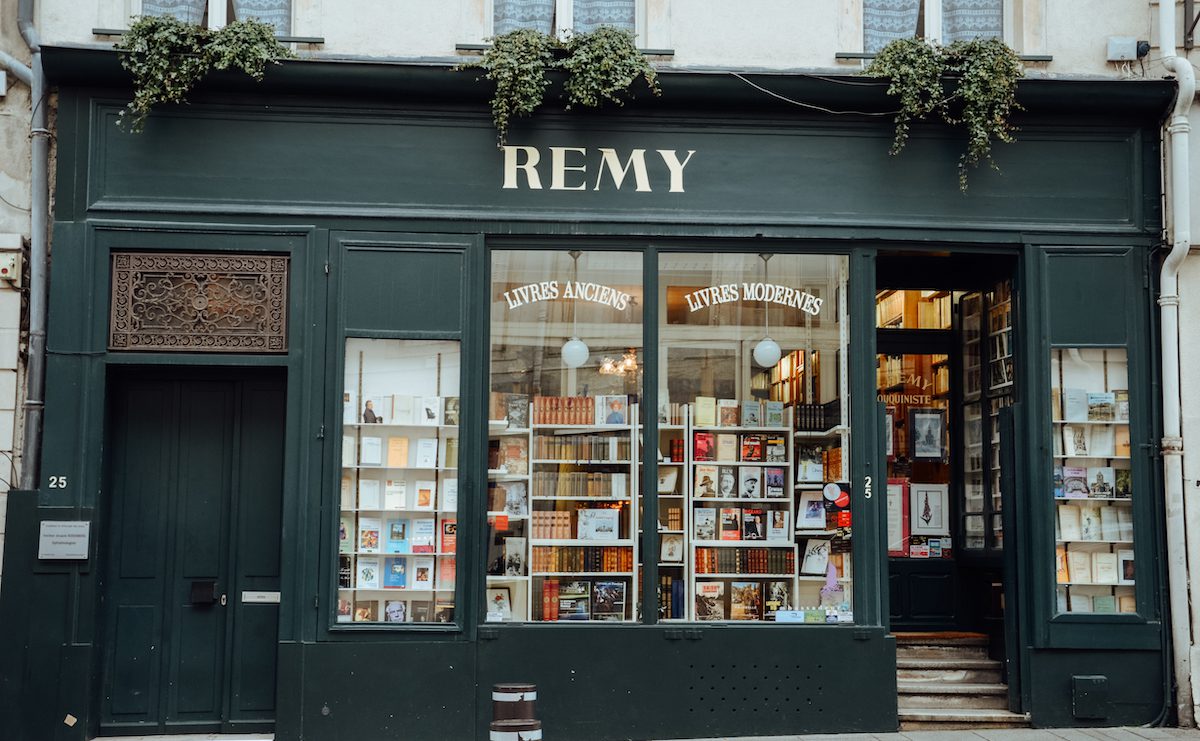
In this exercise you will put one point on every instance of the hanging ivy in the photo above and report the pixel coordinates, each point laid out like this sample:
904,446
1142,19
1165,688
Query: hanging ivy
601,66
968,83
167,57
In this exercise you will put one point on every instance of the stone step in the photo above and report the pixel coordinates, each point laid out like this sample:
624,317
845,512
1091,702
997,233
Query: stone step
949,695
942,663
948,719
949,674
941,638
931,651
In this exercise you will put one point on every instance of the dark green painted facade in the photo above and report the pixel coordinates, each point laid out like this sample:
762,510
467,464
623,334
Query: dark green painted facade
383,185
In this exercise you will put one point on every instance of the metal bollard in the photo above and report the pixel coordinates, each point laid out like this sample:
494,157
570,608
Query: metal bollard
514,701
516,730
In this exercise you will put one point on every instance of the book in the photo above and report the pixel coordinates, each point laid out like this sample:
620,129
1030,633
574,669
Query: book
516,411
449,502
668,476
446,572
345,572
395,572
612,410
348,451
397,452
750,482
402,409
774,481
773,414
727,447
608,600
704,446
514,556
775,449
704,523
1110,528
1102,441
1079,567
1075,441
422,532
779,526
731,523
427,453
370,451
1126,572
397,536
754,526
514,455
816,557
1121,446
752,414
1057,482
368,494
671,548
810,513
347,498
366,611
706,482
1080,602
425,495
809,464
368,534
727,480
1124,523
1075,405
574,600
395,494
727,413
422,573
1062,574
516,498
778,597
377,410
450,411
349,407
1121,405
710,600
346,534
367,576
706,411
1100,482
1104,603
1102,406
598,524
752,448
745,600
1074,480
430,411
1089,522
1104,568
395,611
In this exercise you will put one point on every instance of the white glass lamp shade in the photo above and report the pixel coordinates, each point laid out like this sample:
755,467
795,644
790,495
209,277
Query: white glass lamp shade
767,352
574,352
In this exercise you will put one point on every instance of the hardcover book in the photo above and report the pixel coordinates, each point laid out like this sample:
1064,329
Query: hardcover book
751,414
516,411
1125,568
704,523
368,573
1102,406
366,611
668,477
612,410
731,523
710,600
706,481
778,525
706,411
1100,482
727,481
727,447
427,453
745,600
816,557
574,600
395,611
514,455
752,448
809,464
514,556
750,482
778,597
450,411
671,548
774,449
727,413
810,514
422,534
704,446
608,600
397,541
422,573
774,481
598,524
395,572
754,526
368,534
346,534
1074,480
397,452
516,498
773,414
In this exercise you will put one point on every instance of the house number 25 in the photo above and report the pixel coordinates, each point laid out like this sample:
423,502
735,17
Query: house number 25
58,482
866,487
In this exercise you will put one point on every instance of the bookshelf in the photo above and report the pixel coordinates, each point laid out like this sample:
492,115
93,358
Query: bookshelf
508,511
1093,483
397,531
674,521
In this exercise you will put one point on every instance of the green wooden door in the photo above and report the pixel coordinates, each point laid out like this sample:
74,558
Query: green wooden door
192,570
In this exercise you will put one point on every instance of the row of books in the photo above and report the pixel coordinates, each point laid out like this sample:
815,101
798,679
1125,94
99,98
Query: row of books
1097,482
394,611
1092,441
712,412
1093,521
818,417
1079,601
399,409
1081,405
582,599
582,523
780,561
707,446
590,448
513,408
398,453
582,559
671,515
748,523
1094,567
740,482
509,455
396,494
672,601
580,484
397,535
671,413
580,410
397,572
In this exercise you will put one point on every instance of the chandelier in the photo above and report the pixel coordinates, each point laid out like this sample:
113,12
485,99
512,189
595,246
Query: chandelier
627,364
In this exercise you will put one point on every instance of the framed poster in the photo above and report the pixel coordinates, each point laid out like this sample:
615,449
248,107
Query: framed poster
889,434
927,433
897,517
929,508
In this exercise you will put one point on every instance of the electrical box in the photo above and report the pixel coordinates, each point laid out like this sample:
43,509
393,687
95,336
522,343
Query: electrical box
1089,696
10,268
1122,48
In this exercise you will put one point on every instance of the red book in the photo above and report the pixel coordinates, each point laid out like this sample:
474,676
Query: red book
449,535
752,448
731,523
704,446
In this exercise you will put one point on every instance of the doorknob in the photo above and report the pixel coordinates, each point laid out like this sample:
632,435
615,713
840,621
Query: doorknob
222,600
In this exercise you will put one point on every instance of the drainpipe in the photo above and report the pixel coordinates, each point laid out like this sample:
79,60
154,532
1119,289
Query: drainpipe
39,216
1182,552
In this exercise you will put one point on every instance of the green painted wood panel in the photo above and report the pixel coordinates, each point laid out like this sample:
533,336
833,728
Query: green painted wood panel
397,288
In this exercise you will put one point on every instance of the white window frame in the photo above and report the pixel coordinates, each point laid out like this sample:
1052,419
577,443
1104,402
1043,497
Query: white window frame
851,27
478,17
933,20
217,15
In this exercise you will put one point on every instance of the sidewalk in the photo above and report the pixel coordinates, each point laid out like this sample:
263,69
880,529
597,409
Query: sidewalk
1022,734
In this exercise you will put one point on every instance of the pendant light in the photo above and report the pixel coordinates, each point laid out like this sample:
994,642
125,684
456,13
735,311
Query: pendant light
574,351
767,351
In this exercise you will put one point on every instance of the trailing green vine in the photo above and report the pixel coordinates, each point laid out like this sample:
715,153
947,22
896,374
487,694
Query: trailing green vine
167,57
972,83
601,66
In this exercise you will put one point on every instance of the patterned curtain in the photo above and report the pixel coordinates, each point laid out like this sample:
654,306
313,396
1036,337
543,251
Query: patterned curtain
190,11
591,14
888,20
963,20
510,15
274,13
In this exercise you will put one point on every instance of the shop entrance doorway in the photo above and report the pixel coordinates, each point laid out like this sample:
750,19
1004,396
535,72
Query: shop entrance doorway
190,591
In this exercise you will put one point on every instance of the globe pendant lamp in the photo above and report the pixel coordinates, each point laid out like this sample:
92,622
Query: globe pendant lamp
574,351
767,351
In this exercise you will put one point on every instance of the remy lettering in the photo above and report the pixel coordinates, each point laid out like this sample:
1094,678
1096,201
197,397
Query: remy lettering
582,168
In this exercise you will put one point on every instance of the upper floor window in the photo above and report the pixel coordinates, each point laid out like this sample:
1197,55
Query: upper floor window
943,21
549,16
216,13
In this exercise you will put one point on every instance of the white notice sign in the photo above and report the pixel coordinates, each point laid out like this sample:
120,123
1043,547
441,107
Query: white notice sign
64,539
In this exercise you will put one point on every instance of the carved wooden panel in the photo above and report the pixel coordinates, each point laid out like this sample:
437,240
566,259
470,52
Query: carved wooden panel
175,302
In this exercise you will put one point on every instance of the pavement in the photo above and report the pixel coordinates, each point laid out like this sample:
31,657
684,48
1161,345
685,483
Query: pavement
1018,734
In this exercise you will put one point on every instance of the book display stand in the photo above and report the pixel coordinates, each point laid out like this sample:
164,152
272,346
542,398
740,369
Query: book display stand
1093,489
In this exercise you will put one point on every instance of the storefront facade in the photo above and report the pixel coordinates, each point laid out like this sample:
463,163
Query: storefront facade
415,287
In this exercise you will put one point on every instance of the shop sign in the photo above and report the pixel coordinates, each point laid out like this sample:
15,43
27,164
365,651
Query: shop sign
548,290
771,293
63,540
583,168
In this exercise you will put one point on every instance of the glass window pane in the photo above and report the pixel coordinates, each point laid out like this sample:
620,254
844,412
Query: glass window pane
592,14
1093,483
398,530
566,382
754,500
885,21
963,20
511,15
913,309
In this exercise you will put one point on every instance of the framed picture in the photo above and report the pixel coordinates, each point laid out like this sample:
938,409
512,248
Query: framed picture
499,605
929,509
897,517
889,434
667,477
927,433
810,514
671,548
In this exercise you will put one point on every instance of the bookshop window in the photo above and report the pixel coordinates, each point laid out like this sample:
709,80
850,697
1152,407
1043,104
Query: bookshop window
399,494
566,357
754,499
1093,481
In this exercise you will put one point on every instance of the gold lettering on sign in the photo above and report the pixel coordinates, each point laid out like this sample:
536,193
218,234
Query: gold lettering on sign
573,163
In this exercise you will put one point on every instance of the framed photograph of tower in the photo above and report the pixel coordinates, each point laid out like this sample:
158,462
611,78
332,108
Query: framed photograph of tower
929,509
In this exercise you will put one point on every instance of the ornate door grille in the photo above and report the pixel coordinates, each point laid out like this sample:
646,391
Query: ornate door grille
175,302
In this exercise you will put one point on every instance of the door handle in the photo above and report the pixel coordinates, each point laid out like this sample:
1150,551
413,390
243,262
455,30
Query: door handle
222,600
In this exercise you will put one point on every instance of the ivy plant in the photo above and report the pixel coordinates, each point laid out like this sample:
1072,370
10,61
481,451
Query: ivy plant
167,57
601,66
968,83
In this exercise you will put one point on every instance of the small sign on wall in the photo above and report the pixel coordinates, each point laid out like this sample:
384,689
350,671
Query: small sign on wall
64,540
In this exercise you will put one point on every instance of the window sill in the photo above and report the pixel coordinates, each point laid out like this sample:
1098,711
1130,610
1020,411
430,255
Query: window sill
281,39
480,48
868,55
